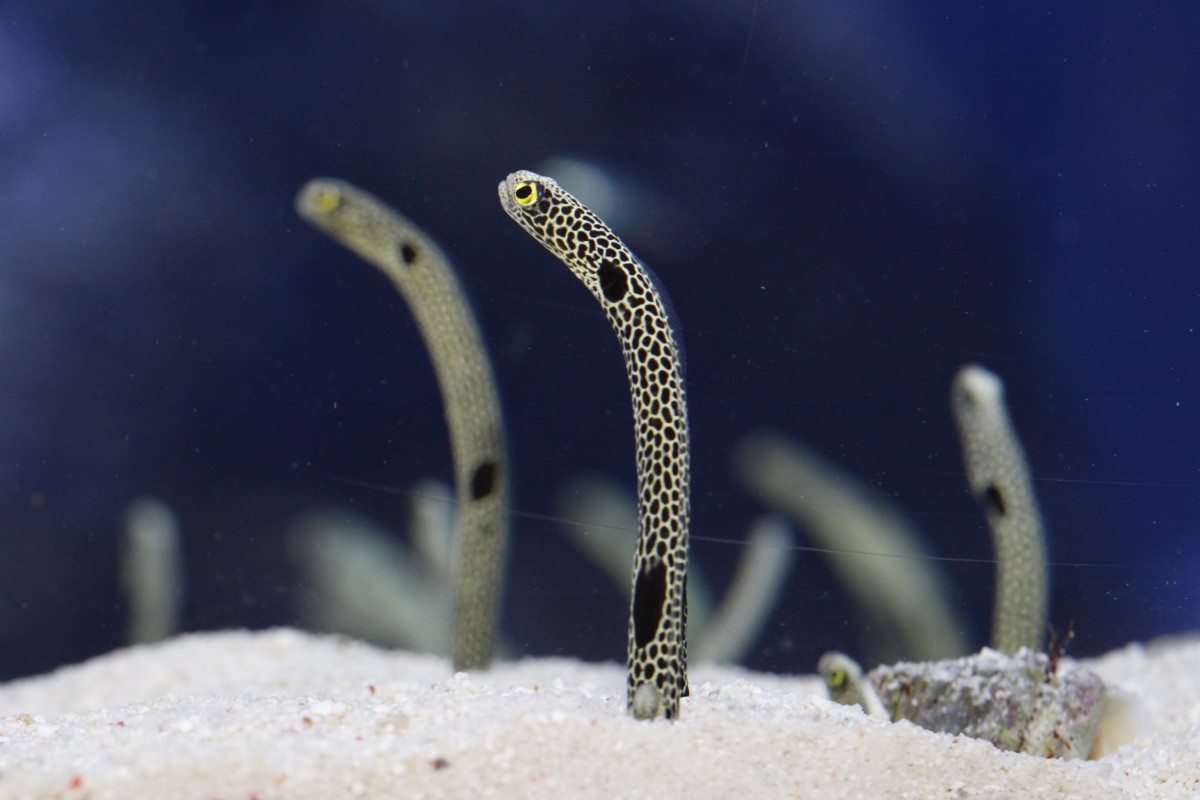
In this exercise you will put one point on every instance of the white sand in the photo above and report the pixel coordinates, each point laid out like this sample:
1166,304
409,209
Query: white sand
287,714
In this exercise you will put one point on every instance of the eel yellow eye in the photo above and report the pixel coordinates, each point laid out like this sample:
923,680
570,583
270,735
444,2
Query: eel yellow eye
327,200
526,193
837,678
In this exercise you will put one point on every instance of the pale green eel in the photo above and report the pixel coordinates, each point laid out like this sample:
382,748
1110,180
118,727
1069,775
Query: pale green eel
638,311
426,281
847,685
999,480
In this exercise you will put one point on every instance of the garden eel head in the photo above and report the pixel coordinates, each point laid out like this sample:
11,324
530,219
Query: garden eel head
319,196
530,199
563,226
847,685
571,231
842,676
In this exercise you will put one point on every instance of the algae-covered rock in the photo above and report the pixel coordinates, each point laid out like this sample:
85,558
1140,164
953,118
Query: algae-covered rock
1021,702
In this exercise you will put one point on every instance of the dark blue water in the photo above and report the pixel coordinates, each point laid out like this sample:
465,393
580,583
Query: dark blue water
847,201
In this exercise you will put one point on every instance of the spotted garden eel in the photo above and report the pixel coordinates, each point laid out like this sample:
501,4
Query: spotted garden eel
650,342
426,281
847,685
999,480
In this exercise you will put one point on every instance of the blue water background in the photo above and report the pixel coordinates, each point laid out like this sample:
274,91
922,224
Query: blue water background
847,201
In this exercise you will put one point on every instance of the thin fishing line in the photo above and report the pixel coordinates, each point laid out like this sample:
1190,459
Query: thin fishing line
551,518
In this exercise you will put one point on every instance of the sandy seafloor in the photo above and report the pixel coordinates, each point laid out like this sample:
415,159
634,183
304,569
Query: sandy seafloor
285,714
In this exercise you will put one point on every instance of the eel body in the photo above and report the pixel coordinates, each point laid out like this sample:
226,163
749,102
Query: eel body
423,276
641,317
999,480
